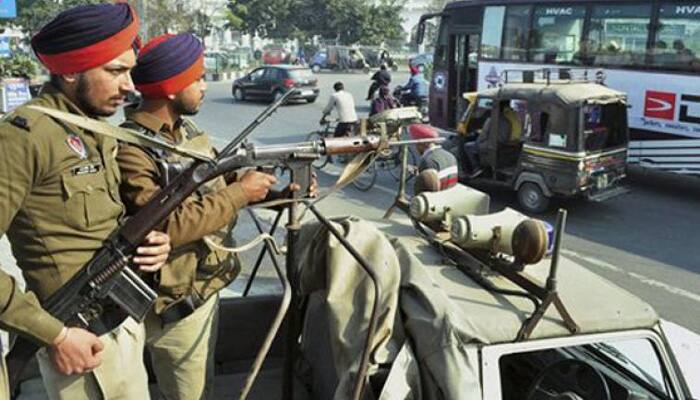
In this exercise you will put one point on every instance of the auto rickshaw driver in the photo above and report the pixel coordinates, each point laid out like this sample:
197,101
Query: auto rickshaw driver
509,132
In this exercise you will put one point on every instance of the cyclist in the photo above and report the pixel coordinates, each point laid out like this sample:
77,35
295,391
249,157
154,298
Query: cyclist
344,104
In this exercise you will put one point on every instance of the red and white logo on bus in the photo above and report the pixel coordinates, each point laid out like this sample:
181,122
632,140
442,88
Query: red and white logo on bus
660,105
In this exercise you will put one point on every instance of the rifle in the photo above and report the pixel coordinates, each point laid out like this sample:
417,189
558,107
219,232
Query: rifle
106,291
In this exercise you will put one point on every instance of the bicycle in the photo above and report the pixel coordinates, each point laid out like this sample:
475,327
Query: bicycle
364,181
386,160
327,131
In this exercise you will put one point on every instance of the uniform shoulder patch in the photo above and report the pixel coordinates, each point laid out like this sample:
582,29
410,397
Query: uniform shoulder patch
20,122
22,118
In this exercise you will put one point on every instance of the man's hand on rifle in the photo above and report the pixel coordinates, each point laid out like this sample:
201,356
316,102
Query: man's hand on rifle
293,187
153,252
76,351
256,185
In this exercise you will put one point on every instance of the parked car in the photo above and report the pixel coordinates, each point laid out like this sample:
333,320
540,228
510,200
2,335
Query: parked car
421,59
272,81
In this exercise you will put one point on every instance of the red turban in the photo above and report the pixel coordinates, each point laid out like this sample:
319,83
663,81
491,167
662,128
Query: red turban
168,64
86,37
422,131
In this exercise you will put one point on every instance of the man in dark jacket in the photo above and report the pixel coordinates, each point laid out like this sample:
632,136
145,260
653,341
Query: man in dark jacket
385,101
380,78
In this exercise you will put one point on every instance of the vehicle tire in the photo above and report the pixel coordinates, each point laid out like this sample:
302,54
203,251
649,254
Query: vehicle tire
311,100
315,68
394,67
532,199
395,171
322,160
365,181
238,94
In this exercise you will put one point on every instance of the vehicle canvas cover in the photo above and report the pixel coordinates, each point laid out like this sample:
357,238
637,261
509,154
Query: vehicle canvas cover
432,317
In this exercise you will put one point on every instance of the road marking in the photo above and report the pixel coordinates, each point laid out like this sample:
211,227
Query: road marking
646,280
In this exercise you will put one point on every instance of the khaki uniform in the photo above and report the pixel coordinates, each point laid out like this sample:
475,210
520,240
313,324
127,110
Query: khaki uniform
60,201
180,337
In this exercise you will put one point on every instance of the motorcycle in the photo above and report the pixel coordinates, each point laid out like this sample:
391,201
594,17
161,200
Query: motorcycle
406,100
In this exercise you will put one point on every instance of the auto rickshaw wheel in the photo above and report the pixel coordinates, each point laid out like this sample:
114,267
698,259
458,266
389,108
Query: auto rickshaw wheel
316,68
532,199
394,67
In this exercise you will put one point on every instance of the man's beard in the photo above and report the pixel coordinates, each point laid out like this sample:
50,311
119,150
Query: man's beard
84,101
181,108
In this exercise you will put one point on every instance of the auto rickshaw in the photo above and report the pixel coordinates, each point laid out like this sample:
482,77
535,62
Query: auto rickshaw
545,139
339,58
375,57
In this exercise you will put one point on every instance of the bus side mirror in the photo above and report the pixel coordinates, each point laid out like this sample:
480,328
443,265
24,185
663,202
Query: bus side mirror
420,33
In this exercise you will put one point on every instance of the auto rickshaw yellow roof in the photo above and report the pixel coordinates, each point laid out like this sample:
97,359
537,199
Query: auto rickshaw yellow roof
567,93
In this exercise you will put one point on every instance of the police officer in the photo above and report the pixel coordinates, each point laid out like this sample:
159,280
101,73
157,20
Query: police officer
59,202
437,167
181,332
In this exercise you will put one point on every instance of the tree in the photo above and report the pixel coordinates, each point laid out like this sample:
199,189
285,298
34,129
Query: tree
33,14
260,17
345,21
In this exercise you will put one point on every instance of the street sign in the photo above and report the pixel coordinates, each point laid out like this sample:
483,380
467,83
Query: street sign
5,51
8,9
15,91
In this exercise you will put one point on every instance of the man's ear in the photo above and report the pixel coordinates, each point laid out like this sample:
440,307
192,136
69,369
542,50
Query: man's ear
70,78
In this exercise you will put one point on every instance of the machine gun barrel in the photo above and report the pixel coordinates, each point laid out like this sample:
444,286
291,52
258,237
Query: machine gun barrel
329,146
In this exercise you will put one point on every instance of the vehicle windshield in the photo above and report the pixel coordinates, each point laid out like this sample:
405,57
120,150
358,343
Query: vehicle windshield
301,73
626,369
605,126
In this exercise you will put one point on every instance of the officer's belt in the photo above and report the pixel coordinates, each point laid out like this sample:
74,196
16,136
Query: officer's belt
182,309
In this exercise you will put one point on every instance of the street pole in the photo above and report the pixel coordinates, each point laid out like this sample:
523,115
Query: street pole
142,10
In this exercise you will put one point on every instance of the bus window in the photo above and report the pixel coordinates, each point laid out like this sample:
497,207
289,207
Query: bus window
492,34
556,33
677,41
440,58
618,34
515,36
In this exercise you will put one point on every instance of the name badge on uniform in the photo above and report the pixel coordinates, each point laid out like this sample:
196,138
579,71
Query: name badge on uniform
76,144
86,169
